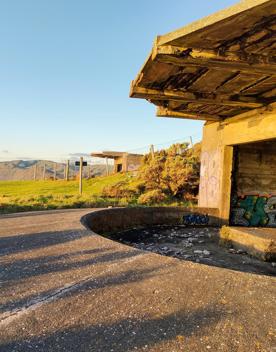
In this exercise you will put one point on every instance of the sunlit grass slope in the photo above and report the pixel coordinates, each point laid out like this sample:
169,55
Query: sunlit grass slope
38,195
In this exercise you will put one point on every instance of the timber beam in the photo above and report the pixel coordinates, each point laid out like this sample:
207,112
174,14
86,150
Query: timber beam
164,112
191,97
248,63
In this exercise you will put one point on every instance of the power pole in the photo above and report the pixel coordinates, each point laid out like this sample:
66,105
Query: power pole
80,175
35,171
67,171
152,150
106,166
191,141
44,171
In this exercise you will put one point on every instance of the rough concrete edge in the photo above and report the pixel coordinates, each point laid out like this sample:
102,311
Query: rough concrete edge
227,240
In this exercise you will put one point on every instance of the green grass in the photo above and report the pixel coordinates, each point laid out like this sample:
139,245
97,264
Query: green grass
18,196
39,195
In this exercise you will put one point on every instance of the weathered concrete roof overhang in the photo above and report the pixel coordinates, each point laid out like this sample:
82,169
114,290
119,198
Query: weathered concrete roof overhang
215,68
112,154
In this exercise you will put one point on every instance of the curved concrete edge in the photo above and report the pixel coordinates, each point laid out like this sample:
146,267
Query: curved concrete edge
117,219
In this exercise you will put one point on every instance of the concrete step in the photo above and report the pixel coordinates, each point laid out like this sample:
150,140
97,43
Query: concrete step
258,242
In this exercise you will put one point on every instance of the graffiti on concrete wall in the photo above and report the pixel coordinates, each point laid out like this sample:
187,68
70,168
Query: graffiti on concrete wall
254,210
195,219
209,179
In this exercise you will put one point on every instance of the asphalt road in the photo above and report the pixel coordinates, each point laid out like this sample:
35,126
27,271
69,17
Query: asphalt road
64,288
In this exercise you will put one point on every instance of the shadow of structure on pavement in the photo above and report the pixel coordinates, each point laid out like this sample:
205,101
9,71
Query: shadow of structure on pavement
25,242
126,335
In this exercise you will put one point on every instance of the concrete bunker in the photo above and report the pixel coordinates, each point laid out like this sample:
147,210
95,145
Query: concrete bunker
123,161
221,69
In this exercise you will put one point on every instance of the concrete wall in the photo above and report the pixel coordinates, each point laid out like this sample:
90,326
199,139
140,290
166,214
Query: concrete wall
133,162
129,162
217,154
115,219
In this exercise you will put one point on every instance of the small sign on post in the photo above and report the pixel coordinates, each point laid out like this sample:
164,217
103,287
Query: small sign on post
78,163
81,164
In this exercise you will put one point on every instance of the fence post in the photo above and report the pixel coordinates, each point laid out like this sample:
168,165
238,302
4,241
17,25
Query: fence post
89,171
44,171
80,175
106,166
67,171
55,171
35,171
152,150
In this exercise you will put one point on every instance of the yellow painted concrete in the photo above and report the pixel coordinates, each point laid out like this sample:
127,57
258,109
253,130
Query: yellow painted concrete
217,154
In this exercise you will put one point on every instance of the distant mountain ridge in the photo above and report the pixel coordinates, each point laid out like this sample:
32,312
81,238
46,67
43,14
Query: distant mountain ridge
25,169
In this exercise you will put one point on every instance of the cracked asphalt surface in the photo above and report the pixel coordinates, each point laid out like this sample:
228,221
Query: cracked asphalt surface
64,288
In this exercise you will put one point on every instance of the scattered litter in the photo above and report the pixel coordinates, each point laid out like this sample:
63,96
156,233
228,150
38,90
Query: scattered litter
198,251
192,244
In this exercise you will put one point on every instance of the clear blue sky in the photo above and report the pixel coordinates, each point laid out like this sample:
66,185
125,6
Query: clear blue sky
66,68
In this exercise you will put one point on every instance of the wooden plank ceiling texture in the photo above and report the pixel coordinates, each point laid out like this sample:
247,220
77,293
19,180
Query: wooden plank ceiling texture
215,68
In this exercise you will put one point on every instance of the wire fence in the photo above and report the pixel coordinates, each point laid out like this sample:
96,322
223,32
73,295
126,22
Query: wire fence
66,167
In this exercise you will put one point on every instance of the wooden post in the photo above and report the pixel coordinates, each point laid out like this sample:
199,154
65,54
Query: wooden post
55,171
152,150
80,175
67,171
44,171
35,171
89,171
106,166
126,162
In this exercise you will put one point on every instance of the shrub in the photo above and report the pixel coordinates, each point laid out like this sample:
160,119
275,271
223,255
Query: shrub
152,197
124,189
174,171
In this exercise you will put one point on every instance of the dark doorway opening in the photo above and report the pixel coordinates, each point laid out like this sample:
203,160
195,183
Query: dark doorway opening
119,167
253,192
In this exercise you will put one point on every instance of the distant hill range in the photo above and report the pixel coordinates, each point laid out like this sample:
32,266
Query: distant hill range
25,169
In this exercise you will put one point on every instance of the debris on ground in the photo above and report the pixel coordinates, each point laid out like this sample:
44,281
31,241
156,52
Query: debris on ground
198,244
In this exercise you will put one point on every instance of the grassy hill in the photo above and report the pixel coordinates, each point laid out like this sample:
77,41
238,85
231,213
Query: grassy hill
39,195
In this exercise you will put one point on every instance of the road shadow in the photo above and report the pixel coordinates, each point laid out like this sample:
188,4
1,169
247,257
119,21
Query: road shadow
26,242
24,269
83,285
128,334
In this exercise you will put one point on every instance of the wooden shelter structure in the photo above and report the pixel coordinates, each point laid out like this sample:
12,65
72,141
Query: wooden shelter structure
222,70
123,161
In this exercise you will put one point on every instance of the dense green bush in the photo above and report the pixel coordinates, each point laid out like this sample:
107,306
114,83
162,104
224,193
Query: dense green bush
170,174
174,171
